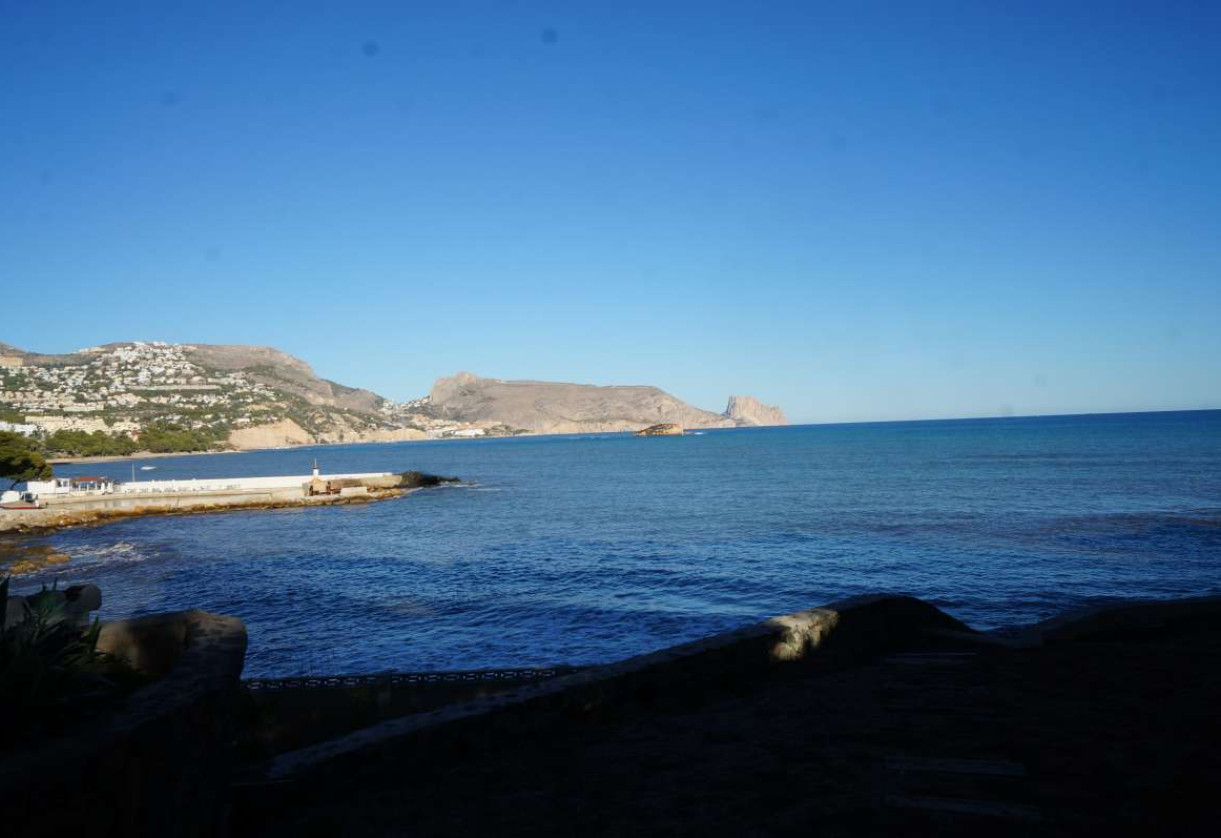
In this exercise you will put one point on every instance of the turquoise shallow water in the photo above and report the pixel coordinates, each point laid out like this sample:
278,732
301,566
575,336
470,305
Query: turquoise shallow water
587,549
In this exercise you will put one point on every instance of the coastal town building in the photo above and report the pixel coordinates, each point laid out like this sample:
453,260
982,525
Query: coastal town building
70,486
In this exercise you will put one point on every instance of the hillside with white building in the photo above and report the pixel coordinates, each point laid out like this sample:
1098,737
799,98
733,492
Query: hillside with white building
225,396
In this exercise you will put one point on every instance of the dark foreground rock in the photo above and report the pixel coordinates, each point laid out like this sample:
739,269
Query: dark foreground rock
885,719
155,764
420,480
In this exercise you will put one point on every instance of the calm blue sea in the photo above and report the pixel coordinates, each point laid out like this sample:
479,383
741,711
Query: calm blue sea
587,549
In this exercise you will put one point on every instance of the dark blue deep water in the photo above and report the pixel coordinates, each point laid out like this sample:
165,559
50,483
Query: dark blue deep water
586,549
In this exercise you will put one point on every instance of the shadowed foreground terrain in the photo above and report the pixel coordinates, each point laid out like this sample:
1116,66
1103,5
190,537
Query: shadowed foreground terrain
1110,730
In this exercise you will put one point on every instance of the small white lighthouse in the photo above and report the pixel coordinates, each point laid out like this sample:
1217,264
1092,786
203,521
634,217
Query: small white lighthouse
315,471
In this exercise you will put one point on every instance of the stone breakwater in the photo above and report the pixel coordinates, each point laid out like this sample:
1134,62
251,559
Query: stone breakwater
99,509
97,512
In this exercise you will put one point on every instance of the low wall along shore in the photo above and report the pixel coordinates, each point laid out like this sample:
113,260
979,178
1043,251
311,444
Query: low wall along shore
834,635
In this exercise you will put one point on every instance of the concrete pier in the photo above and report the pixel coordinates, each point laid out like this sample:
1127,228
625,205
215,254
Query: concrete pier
89,508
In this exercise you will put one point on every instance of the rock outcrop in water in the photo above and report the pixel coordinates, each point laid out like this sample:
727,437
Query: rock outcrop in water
749,411
420,480
661,430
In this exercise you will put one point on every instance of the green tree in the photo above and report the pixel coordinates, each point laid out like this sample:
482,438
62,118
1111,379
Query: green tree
20,459
165,437
85,444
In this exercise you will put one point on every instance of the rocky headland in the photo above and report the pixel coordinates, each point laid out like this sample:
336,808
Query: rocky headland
549,407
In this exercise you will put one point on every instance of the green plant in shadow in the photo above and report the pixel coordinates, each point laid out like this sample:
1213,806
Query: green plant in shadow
51,672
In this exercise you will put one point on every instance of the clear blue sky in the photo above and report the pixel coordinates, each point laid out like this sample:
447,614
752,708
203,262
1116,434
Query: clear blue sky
855,210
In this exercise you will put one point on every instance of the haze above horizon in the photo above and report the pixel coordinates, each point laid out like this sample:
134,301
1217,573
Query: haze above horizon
863,213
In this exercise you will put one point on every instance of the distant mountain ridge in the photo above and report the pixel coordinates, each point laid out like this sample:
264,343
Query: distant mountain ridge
258,396
286,371
560,408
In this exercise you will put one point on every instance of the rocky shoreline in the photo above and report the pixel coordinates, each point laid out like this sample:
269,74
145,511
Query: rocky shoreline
18,557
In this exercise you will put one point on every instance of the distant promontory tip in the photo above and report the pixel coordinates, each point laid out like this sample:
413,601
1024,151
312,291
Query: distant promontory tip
749,411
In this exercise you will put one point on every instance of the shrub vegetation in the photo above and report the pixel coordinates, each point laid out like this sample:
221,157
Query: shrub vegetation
51,672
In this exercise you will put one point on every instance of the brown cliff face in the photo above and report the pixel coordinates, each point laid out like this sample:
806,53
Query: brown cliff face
748,411
280,434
